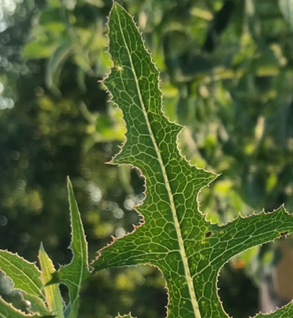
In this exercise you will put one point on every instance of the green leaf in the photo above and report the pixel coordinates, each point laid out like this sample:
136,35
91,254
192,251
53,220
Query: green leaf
24,274
52,292
37,50
77,271
286,7
8,311
174,236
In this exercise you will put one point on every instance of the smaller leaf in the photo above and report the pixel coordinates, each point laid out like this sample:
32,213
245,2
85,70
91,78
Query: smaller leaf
77,271
52,292
8,311
24,274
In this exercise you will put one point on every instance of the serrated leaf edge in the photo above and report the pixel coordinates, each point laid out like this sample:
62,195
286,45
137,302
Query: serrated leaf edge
240,216
274,311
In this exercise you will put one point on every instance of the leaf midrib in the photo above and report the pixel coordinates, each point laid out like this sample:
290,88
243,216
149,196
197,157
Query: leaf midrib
182,251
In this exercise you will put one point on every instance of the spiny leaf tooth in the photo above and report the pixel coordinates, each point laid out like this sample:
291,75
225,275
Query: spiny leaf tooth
285,311
125,316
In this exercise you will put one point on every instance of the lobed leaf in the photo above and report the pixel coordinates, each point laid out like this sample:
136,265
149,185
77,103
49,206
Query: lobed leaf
24,274
174,236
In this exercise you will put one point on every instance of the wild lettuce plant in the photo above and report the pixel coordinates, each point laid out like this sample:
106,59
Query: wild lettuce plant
174,235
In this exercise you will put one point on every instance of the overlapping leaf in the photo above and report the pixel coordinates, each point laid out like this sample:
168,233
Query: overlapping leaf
175,236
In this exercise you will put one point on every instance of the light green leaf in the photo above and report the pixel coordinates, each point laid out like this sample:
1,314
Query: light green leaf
52,292
174,236
77,271
8,311
37,50
286,7
24,274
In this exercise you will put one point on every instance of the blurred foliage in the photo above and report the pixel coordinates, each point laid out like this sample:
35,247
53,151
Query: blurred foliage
226,69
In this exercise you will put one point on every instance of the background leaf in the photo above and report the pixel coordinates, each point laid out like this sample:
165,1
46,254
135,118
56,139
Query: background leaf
286,7
55,64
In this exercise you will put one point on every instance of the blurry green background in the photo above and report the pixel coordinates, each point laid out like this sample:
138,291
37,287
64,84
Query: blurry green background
227,74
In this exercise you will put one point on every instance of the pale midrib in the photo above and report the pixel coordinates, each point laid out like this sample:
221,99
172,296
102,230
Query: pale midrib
170,195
